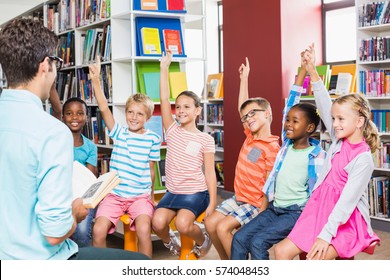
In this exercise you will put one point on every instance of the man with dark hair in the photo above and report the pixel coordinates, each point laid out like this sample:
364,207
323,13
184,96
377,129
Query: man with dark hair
37,211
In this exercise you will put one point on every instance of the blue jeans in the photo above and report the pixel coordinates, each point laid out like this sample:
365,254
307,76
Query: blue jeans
268,228
83,233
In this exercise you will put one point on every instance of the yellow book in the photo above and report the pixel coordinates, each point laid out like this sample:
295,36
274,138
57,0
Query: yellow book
215,86
178,83
150,40
346,68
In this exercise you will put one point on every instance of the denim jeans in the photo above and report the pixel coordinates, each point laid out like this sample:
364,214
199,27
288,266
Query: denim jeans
83,233
268,228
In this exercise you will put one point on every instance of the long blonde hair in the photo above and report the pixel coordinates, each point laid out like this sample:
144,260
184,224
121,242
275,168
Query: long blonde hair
360,104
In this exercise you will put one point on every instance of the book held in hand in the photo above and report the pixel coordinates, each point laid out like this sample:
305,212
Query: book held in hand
91,189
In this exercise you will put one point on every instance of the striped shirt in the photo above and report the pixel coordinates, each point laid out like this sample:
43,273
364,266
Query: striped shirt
130,158
184,161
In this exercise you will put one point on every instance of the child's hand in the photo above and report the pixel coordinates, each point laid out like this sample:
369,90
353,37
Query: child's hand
209,210
94,69
309,59
318,250
244,69
166,59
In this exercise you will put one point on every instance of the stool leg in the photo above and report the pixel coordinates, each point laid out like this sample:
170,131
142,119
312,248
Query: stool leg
186,246
130,239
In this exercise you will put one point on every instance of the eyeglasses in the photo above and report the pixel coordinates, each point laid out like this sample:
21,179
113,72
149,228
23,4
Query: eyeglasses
250,114
58,61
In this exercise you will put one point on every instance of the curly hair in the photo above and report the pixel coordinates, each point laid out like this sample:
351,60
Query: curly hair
24,44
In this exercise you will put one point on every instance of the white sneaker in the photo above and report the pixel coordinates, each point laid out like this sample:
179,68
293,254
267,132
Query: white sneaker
174,244
202,250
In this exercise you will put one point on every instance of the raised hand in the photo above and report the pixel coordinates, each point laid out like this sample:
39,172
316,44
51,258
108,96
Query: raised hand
166,59
244,69
309,58
94,69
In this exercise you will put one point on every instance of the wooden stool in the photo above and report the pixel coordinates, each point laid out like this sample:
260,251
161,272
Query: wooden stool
302,257
130,238
187,244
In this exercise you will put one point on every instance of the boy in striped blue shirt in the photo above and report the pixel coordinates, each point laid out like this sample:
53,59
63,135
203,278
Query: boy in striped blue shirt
135,152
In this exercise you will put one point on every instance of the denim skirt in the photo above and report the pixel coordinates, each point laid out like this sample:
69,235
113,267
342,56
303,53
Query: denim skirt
196,203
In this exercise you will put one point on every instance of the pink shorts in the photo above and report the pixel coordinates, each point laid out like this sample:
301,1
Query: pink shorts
113,207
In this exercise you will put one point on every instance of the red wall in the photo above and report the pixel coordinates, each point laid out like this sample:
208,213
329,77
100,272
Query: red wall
272,37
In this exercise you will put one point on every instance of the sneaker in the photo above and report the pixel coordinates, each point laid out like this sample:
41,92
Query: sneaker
174,244
202,250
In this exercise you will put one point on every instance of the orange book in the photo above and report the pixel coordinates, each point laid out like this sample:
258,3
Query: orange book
172,41
149,5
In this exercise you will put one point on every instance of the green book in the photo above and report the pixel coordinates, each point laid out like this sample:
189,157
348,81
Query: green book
151,67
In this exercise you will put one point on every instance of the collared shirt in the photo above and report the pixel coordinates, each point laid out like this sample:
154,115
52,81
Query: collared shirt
36,155
316,157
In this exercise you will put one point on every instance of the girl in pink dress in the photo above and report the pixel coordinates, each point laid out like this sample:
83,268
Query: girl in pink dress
336,221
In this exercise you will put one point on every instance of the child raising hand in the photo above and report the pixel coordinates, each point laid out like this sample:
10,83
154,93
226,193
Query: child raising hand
336,221
190,173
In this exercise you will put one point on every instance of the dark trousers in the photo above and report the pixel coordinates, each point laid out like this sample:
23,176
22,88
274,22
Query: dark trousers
268,228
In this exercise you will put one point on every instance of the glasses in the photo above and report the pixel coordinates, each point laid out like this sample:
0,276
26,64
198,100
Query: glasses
250,114
58,61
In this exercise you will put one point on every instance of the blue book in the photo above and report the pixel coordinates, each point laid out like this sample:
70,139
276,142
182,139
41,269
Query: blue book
155,124
152,85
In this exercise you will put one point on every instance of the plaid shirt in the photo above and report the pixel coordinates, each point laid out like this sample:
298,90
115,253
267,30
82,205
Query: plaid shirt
316,157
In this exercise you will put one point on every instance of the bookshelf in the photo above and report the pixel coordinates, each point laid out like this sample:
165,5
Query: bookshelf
373,80
124,57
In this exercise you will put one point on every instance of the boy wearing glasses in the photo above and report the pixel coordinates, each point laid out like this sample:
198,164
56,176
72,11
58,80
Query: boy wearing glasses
36,156
255,162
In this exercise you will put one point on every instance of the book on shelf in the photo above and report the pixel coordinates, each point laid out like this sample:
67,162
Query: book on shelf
150,38
215,86
346,68
155,124
155,26
152,85
332,84
161,170
149,5
91,189
177,83
343,85
172,41
175,5
150,67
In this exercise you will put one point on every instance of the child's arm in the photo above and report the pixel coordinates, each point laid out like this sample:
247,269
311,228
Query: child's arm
294,95
92,168
211,181
244,92
153,176
321,95
55,102
165,105
94,75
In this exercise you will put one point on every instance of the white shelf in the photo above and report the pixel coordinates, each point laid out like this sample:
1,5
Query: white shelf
376,102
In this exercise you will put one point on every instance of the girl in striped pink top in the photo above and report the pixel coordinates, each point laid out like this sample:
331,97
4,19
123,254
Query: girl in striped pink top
190,191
